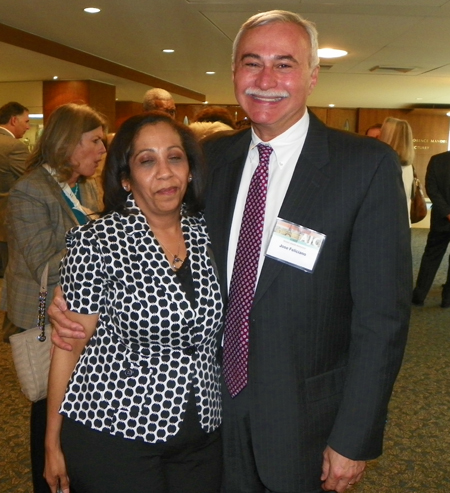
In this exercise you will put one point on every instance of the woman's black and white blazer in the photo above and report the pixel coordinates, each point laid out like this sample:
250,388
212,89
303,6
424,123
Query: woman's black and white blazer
151,346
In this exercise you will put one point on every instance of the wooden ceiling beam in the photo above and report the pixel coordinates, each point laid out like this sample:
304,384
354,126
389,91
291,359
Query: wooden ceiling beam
28,41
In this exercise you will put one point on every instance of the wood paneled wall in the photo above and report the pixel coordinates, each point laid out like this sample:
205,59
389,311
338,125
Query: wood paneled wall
125,109
100,96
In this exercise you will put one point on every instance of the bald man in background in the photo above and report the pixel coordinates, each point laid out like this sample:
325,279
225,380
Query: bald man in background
159,99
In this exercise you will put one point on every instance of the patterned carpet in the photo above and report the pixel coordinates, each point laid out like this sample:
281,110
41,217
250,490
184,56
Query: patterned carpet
417,444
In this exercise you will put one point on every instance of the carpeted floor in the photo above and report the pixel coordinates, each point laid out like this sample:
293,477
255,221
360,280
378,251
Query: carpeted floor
417,445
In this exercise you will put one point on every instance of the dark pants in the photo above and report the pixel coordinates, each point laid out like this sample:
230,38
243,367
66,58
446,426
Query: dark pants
97,462
437,243
37,445
240,470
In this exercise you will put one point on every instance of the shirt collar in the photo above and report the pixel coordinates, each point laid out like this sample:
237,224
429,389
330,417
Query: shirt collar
286,144
6,130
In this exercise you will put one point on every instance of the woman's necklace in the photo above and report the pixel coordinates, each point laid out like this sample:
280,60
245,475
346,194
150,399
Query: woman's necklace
76,189
176,259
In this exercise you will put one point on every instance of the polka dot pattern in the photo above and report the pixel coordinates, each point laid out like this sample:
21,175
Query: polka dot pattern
150,347
243,279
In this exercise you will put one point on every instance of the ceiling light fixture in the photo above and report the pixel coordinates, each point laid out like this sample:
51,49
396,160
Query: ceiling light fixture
35,116
331,105
331,53
210,73
168,51
55,77
92,10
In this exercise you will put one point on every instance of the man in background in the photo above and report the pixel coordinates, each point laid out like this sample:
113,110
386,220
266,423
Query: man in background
14,122
437,184
374,131
159,99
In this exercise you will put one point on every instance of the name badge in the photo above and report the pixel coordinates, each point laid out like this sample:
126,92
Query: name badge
295,245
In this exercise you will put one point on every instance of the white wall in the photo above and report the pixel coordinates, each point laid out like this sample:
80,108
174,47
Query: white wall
27,93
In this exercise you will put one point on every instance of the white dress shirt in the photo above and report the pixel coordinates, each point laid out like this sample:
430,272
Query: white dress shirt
286,151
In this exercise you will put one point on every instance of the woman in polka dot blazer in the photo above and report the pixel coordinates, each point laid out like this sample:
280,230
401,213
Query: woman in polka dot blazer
140,409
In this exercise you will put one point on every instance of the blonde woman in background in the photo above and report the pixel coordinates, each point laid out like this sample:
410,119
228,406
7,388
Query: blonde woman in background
55,194
398,134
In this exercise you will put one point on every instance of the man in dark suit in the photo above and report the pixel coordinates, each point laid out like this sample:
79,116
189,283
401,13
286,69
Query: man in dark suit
327,329
437,183
325,345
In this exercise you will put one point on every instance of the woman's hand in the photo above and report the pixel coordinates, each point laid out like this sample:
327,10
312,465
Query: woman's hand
55,472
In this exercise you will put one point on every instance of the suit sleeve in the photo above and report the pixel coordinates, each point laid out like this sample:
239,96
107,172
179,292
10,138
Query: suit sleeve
30,226
381,284
433,184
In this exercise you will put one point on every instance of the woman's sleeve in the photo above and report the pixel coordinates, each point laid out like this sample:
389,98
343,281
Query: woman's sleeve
31,230
83,277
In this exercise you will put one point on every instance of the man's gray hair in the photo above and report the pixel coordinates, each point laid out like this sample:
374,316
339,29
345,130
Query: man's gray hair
272,16
155,94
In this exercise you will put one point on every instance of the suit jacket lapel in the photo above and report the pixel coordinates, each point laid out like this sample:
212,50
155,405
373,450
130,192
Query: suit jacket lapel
58,194
224,185
310,175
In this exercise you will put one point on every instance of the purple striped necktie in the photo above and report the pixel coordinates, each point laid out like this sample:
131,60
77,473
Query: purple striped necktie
243,278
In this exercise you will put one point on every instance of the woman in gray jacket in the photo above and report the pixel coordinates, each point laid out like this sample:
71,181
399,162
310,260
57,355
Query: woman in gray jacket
55,194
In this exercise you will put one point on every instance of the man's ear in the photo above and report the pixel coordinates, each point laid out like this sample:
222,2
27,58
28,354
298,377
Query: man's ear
314,79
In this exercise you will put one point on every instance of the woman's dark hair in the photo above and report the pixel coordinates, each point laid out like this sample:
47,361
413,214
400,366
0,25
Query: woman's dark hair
117,165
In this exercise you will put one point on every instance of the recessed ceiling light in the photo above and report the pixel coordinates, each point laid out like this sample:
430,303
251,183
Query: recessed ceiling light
210,73
168,51
55,77
331,105
92,10
331,53
205,102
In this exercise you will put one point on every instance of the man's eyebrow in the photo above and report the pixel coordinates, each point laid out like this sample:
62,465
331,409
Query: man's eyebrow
276,57
250,55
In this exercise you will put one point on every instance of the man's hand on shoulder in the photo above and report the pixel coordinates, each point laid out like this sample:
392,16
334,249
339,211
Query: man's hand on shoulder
340,473
61,324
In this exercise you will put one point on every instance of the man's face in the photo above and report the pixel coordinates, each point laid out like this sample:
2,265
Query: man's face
20,123
272,77
166,105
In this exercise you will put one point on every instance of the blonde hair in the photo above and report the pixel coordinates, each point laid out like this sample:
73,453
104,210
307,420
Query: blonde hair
62,133
398,134
284,16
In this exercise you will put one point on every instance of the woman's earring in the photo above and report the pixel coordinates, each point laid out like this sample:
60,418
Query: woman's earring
126,188
190,178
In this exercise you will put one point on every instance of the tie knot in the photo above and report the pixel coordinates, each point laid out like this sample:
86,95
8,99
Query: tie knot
264,153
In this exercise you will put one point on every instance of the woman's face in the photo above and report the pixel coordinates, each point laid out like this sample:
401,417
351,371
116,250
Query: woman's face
88,153
159,171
